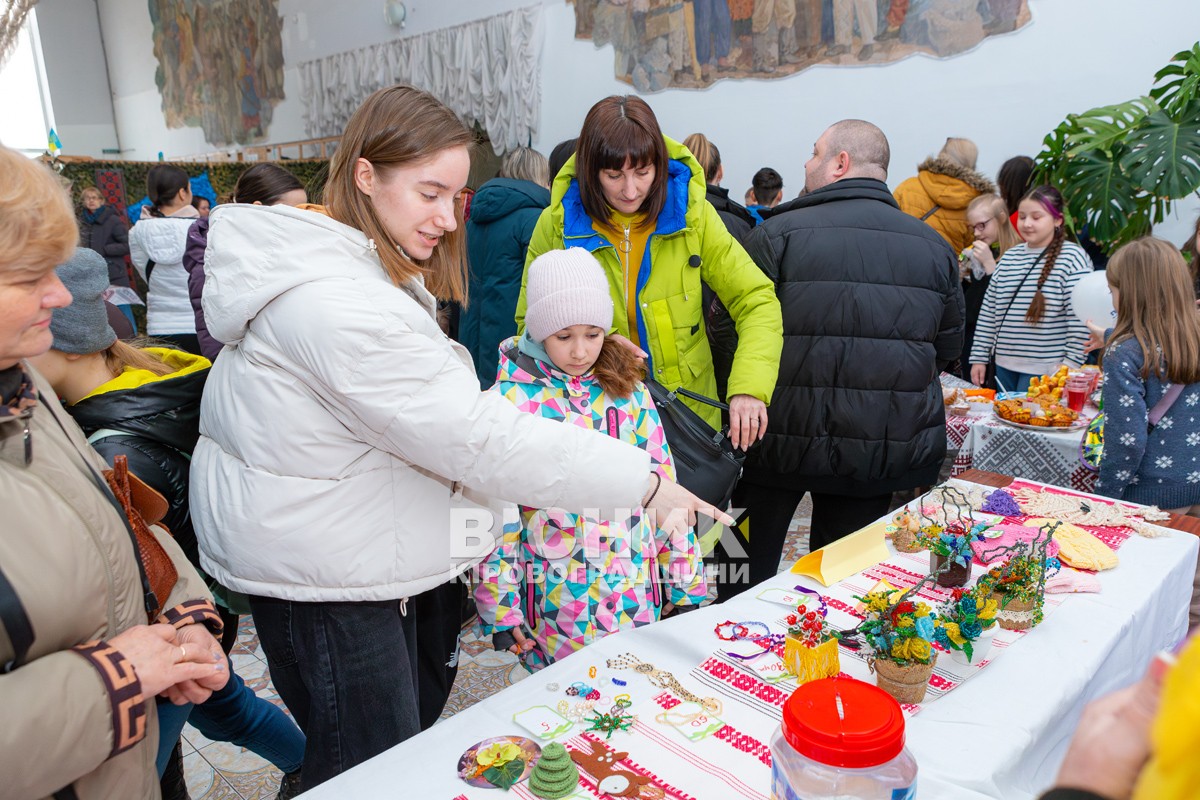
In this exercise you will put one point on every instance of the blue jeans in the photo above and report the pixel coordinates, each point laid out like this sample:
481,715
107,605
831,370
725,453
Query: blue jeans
1013,381
347,672
712,20
234,714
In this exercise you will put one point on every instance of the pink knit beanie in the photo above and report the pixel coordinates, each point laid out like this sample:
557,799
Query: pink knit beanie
565,288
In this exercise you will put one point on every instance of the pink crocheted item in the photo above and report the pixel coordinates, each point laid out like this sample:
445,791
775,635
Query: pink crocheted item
1072,581
1010,535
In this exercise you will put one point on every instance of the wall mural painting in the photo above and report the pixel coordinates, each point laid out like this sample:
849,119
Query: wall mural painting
662,44
220,66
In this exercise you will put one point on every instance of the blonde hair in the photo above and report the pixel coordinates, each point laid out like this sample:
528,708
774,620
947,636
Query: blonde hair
37,221
1156,305
993,205
963,152
526,164
90,190
121,355
394,127
706,153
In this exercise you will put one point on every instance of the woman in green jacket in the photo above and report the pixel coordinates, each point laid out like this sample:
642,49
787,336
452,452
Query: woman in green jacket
636,200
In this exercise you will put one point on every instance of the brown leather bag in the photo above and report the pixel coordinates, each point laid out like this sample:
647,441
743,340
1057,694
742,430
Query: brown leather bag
144,507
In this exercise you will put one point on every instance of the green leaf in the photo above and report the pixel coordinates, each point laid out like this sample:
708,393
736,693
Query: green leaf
1184,69
503,776
1100,195
1164,157
968,650
1107,127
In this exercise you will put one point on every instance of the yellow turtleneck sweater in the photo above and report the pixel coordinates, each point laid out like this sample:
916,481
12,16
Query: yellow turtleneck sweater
629,236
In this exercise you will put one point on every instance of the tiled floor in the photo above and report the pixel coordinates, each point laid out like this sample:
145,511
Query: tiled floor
222,771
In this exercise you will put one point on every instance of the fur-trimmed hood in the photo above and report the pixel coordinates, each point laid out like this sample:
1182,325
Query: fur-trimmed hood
933,172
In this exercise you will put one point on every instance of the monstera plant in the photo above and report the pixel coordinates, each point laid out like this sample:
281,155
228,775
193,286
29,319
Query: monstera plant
1119,167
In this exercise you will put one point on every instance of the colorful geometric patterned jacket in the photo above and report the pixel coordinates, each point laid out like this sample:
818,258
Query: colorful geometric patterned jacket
574,579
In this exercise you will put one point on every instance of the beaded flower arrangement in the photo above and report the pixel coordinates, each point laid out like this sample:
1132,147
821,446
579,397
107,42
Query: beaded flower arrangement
952,543
964,618
901,632
811,648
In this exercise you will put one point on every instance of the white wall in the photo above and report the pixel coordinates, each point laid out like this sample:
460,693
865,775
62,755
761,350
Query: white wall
23,125
73,53
1006,94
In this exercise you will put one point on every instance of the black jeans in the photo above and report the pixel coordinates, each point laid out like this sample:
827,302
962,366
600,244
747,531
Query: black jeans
439,620
347,672
769,512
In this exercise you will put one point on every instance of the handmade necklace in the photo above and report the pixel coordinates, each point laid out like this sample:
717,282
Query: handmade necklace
663,680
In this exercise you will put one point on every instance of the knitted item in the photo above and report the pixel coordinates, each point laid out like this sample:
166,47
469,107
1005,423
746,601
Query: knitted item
82,327
1001,502
565,288
1082,511
555,774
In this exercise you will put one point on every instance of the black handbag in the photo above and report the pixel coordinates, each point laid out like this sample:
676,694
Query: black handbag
706,464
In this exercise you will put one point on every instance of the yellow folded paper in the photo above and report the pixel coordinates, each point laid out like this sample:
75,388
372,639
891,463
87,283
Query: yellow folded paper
848,555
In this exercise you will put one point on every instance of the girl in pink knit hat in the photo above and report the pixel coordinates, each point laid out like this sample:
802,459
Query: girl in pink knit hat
558,581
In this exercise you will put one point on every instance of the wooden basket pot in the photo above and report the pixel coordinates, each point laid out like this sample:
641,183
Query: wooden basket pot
956,575
905,683
811,663
1017,615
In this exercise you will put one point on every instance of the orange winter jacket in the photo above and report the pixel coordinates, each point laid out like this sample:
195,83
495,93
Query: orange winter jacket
950,188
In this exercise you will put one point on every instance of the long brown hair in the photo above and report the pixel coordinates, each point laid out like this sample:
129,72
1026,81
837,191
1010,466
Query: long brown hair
1156,305
617,369
1050,198
620,128
394,127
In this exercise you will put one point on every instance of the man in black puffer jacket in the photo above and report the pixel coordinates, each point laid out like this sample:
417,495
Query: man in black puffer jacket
872,310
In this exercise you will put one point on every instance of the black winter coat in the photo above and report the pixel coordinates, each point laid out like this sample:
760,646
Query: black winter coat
722,332
872,310
108,236
160,424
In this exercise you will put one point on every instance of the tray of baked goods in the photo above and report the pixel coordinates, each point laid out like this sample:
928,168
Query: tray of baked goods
1041,412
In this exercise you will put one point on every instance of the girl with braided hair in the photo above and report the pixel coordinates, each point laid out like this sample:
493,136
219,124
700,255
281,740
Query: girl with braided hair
1026,323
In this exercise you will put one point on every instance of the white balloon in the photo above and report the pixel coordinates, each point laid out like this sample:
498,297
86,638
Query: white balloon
1092,299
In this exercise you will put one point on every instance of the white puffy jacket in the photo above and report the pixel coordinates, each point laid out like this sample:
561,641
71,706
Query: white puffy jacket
162,240
342,425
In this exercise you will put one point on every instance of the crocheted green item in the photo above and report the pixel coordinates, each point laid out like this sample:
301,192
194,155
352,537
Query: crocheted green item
555,774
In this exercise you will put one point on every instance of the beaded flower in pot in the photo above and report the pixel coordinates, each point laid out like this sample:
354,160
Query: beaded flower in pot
810,650
968,623
950,553
898,633
1019,588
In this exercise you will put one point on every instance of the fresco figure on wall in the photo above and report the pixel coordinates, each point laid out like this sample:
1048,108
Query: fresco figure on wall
220,66
689,44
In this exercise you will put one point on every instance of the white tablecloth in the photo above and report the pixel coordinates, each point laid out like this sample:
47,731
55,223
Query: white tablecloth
1000,735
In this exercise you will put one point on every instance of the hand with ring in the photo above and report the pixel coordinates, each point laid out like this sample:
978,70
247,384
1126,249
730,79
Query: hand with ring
747,420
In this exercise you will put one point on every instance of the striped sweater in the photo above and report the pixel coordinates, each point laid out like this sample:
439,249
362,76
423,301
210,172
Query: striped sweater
1032,348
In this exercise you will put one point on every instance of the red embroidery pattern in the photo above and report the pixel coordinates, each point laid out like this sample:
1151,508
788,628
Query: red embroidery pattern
745,743
124,693
727,733
747,684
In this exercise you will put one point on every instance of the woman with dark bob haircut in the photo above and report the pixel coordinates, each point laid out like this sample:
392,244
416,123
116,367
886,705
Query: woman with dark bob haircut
635,199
